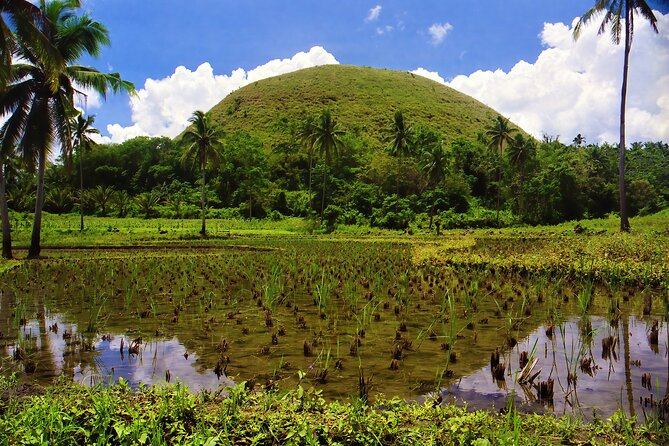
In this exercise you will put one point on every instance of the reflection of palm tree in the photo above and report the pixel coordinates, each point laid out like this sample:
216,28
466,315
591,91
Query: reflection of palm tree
615,11
626,358
499,134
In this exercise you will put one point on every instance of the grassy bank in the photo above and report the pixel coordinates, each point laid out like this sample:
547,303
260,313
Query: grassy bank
593,248
73,414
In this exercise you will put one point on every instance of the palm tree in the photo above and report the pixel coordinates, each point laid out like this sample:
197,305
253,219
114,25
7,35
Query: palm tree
203,139
499,133
578,140
615,12
307,134
82,128
400,138
520,151
146,203
40,108
434,164
101,196
327,138
29,22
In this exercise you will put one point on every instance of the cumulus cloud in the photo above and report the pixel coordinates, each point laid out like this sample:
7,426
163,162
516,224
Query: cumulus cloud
373,14
574,86
429,74
162,107
438,32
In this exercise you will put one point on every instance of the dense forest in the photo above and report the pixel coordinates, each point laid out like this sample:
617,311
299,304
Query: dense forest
539,182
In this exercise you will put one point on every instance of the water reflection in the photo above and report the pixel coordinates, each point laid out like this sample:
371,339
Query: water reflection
588,371
57,348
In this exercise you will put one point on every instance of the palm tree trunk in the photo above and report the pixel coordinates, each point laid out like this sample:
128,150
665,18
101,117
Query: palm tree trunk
81,190
325,181
499,182
624,221
35,247
522,190
397,179
311,156
6,228
203,231
434,200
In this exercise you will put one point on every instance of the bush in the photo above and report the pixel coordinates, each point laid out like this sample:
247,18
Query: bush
395,213
477,217
224,213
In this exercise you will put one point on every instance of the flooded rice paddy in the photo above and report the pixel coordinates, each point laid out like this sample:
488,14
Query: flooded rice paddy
318,313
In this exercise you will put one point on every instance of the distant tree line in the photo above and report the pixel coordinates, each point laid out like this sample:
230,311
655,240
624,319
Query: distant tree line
487,180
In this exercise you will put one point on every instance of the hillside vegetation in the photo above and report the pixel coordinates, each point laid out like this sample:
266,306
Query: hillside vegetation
363,100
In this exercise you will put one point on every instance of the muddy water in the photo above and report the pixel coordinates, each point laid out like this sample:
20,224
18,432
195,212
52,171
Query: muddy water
230,316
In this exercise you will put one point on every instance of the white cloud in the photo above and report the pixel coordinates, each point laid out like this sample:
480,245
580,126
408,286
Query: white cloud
163,106
574,87
429,74
373,14
383,30
438,32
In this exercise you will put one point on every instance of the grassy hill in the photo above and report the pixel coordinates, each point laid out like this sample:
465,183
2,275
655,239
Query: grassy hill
362,99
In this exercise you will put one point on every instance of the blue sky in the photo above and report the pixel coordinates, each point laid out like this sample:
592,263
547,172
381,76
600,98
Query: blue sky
151,38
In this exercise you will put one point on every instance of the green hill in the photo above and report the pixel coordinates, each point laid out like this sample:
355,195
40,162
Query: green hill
362,100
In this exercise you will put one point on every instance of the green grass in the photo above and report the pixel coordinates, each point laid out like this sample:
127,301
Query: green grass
74,414
600,251
362,100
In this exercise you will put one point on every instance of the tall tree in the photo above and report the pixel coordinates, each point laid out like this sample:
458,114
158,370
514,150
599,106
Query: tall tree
434,164
308,135
82,129
40,108
327,138
520,151
619,14
578,140
400,139
203,146
499,133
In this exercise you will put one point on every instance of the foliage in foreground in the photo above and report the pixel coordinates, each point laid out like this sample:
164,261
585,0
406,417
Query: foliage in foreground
74,414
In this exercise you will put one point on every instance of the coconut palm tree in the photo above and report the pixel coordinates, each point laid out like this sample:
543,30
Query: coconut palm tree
327,138
82,129
400,139
520,151
307,135
578,140
203,146
434,164
499,133
619,14
39,108
28,22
